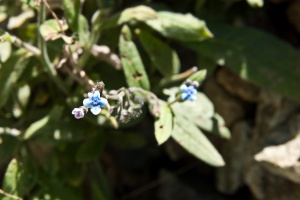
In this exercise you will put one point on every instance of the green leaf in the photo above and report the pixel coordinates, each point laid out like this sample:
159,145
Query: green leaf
11,177
255,56
179,26
50,29
163,124
214,125
10,72
256,3
5,50
201,108
199,76
23,94
31,3
133,67
36,127
195,142
201,113
83,30
91,148
138,13
164,59
19,178
47,123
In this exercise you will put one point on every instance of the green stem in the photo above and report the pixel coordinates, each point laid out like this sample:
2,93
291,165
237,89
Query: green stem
44,58
177,77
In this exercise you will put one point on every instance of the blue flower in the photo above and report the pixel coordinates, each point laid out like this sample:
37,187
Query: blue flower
188,93
95,102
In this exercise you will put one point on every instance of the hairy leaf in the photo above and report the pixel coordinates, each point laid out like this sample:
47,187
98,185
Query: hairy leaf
50,29
164,123
139,13
179,26
133,67
195,142
201,113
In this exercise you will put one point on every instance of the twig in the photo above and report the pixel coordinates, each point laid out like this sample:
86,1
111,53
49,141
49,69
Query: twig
104,53
19,43
10,195
83,78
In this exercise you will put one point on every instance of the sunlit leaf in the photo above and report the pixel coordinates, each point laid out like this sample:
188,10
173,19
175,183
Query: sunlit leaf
201,113
133,67
47,123
256,3
201,108
11,177
214,125
179,26
194,141
139,13
163,124
17,21
198,76
5,50
23,95
50,29
19,178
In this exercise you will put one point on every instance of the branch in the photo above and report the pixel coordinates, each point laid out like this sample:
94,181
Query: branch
10,195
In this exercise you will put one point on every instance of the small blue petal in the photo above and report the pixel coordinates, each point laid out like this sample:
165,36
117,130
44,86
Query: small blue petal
87,103
103,102
184,96
96,110
96,94
90,95
193,97
188,92
183,88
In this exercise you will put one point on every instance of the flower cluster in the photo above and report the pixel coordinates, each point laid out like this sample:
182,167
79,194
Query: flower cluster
94,102
189,91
